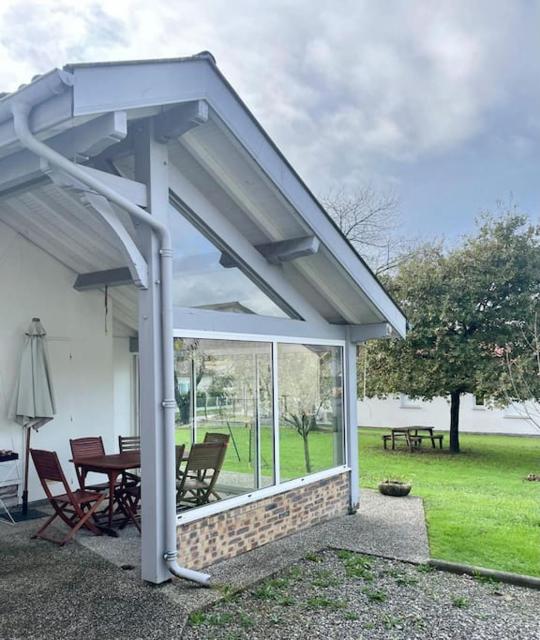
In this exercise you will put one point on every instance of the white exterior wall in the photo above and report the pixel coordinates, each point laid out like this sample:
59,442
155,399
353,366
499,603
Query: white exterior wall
401,412
88,366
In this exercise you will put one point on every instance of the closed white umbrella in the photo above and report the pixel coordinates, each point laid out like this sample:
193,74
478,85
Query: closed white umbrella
34,403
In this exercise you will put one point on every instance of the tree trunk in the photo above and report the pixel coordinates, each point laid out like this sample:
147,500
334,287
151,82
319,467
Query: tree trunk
306,454
455,398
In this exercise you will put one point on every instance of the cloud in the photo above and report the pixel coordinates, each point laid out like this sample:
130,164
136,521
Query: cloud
346,89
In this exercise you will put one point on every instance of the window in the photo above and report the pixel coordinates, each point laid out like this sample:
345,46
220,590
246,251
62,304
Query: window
479,403
310,380
206,277
230,387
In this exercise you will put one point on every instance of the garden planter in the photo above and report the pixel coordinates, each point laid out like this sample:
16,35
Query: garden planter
394,488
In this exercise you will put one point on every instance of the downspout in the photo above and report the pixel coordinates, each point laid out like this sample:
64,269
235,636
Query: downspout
21,111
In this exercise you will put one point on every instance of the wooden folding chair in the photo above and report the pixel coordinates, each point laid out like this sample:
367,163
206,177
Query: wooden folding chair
126,444
90,447
222,438
129,497
75,508
197,481
129,443
179,455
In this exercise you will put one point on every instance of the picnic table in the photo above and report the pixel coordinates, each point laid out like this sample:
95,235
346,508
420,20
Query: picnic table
113,465
413,436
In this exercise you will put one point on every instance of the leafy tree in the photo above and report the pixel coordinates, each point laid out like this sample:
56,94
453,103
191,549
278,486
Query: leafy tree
464,306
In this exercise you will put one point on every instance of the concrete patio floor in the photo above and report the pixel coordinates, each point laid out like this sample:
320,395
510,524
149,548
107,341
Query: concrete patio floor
82,589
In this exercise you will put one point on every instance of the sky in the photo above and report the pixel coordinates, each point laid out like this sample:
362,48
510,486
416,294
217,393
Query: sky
436,102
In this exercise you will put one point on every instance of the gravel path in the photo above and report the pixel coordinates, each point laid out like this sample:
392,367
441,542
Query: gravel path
345,595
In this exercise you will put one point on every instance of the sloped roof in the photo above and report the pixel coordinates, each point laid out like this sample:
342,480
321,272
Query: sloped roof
232,161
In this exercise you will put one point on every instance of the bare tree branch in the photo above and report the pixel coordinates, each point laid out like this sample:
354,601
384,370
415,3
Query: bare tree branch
521,376
370,220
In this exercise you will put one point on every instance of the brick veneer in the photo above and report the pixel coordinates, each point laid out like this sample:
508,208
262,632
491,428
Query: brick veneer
230,533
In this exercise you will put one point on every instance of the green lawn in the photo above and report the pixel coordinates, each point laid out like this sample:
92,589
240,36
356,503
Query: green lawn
479,508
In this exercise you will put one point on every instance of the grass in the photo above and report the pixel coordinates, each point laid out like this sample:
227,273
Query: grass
460,602
479,508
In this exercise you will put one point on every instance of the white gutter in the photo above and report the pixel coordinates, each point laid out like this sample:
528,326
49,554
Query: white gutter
20,109
40,89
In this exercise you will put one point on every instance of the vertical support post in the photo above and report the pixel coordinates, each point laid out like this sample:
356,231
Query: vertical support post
275,412
151,168
351,399
257,422
193,399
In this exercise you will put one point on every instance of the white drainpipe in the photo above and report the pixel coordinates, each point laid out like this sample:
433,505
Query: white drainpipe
21,111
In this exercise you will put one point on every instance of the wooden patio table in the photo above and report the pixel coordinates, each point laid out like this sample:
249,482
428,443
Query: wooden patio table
113,465
413,436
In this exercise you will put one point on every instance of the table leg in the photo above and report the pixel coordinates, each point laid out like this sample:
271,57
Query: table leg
112,481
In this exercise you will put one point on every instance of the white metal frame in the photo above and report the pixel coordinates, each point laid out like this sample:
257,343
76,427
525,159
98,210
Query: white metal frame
278,487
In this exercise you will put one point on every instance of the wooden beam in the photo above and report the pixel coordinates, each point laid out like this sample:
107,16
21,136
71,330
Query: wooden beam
136,262
179,120
100,279
288,250
364,332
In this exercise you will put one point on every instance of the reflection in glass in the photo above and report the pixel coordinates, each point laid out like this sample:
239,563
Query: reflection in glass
207,278
311,409
225,387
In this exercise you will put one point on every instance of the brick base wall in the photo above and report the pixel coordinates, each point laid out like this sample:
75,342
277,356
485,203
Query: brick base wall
230,533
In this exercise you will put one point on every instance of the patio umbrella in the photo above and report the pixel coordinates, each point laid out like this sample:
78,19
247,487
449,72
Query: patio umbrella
34,403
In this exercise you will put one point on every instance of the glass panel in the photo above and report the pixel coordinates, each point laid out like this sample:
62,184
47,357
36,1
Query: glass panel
225,387
185,356
202,281
310,380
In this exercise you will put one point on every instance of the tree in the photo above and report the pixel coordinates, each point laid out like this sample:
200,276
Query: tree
522,367
307,380
463,307
185,350
370,221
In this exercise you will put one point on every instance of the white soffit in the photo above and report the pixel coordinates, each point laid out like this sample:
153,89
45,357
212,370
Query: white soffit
56,222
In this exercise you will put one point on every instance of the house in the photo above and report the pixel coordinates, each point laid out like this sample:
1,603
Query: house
475,415
153,226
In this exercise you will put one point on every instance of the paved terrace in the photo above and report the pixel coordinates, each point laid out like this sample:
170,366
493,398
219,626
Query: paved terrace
47,592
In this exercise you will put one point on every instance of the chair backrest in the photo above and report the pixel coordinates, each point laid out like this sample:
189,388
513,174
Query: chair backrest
204,464
206,456
129,443
49,470
87,447
222,438
179,454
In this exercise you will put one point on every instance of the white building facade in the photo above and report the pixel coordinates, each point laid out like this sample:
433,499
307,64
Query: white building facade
474,417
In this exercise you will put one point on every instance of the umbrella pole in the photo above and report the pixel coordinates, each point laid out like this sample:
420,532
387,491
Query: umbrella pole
26,465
